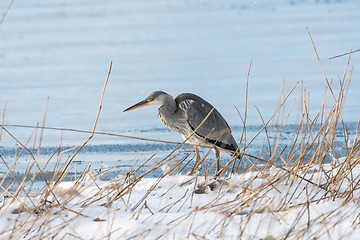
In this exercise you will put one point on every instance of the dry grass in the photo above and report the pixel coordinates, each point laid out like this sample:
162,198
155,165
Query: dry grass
286,176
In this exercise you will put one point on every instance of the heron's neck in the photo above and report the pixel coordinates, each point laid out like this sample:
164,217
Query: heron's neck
169,105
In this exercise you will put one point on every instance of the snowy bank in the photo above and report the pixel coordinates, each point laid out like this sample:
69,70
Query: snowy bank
272,204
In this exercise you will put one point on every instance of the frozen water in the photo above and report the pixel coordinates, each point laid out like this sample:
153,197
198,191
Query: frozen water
62,49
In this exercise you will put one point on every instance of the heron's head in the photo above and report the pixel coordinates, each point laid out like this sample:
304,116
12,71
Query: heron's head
155,98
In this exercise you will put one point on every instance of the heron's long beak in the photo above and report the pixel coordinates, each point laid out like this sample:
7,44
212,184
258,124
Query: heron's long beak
143,103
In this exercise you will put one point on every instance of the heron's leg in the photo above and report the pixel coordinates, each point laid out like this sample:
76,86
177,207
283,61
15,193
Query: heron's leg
217,155
198,159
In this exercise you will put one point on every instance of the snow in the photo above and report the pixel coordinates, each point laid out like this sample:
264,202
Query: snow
246,206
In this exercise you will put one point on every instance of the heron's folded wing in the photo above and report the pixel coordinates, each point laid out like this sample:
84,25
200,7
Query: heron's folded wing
214,129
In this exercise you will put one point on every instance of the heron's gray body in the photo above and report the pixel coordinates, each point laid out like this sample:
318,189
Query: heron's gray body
188,112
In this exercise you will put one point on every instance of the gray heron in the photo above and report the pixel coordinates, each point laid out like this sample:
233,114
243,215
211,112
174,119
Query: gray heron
185,114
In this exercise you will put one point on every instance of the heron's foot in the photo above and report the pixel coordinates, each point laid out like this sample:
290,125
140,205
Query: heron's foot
205,188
